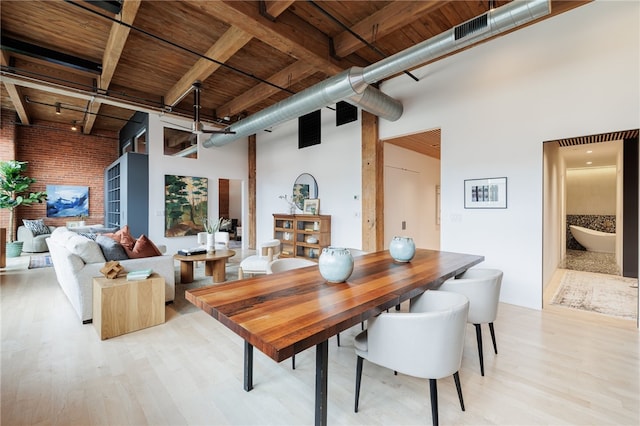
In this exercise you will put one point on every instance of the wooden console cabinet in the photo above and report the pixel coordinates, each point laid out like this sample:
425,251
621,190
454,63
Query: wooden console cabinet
121,306
295,232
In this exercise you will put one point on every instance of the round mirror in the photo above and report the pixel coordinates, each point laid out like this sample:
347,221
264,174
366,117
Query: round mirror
304,188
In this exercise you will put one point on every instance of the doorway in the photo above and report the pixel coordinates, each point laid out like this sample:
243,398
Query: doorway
590,223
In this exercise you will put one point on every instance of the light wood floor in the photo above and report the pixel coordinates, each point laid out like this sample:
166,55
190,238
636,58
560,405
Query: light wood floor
555,366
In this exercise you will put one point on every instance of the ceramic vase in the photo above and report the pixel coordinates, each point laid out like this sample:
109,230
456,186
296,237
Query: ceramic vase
335,264
402,249
211,242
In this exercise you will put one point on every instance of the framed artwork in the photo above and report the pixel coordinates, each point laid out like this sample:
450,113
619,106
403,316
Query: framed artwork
311,206
67,201
186,204
488,193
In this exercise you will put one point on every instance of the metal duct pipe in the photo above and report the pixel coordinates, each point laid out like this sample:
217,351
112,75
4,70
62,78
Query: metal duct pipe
349,84
501,19
353,85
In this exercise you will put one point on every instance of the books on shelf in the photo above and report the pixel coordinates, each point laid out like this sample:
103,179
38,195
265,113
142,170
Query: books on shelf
141,274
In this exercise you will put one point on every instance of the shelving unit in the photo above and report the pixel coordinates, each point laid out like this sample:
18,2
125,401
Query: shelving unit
126,193
302,235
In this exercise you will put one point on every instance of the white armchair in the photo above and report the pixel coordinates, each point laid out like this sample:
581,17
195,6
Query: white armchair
427,342
482,288
257,264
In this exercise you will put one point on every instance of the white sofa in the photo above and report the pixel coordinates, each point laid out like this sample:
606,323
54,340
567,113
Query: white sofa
77,260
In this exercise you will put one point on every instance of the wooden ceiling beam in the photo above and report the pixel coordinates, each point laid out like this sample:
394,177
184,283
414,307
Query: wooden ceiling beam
284,78
297,39
14,92
112,52
381,23
273,8
223,49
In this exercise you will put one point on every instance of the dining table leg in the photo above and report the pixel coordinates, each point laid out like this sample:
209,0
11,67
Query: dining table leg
248,366
322,364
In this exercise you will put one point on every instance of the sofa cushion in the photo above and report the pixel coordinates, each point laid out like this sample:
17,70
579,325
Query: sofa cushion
124,237
111,249
37,227
143,247
88,250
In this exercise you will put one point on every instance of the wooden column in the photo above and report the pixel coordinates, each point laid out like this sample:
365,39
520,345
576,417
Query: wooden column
251,225
3,247
372,185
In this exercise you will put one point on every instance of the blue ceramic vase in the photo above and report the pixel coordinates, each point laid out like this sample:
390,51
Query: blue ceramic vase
402,249
335,264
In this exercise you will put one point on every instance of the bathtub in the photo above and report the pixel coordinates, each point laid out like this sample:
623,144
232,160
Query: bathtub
592,240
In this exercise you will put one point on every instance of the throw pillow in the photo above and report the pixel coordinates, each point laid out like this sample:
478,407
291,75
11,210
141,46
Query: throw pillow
111,249
37,227
143,247
124,237
88,250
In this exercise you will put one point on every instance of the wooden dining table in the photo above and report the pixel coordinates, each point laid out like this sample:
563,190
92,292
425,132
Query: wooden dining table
285,313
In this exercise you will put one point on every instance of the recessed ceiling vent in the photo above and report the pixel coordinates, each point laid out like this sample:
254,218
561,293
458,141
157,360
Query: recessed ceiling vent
473,27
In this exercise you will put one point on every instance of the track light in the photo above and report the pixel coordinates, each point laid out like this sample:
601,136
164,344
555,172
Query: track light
58,108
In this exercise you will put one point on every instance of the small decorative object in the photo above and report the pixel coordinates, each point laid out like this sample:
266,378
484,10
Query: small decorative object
287,236
402,249
311,206
211,242
112,269
312,254
312,240
287,224
335,264
290,203
316,226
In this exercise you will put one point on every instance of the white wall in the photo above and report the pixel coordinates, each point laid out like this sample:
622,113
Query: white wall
554,222
497,103
591,191
228,162
409,171
335,164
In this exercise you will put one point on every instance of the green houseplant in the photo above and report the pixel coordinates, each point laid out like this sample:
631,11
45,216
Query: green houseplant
14,192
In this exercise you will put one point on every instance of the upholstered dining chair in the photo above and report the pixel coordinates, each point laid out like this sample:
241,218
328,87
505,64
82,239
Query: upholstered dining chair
257,264
287,263
482,288
426,342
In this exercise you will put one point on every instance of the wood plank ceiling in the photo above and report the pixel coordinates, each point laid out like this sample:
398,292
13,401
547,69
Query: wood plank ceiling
95,63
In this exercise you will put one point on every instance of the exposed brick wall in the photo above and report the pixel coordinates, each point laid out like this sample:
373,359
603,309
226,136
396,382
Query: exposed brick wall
59,156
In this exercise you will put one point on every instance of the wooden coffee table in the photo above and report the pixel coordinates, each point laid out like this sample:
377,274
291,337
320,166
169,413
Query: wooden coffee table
214,265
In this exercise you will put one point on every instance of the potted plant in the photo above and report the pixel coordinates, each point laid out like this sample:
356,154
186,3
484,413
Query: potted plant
214,234
14,192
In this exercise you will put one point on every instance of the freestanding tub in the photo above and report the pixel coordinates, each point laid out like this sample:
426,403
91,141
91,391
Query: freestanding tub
592,240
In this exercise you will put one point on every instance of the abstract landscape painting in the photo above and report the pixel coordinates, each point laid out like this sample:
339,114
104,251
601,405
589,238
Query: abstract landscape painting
67,201
186,203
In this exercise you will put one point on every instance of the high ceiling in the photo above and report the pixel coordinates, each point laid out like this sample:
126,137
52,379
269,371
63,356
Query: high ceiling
98,66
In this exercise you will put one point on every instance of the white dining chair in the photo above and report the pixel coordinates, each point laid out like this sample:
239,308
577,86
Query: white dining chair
426,342
482,287
257,263
287,263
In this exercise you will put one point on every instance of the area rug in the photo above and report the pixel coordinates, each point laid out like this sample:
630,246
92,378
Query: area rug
605,294
40,262
183,306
